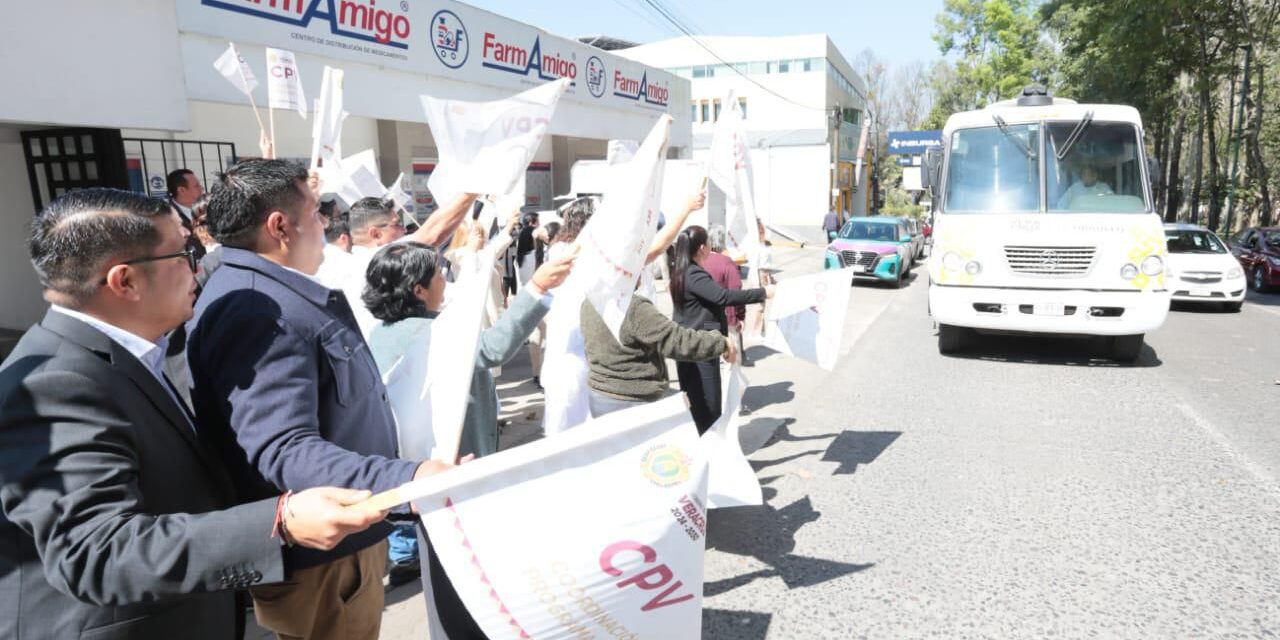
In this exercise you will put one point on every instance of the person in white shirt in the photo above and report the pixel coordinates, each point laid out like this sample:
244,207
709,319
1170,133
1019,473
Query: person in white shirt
1087,187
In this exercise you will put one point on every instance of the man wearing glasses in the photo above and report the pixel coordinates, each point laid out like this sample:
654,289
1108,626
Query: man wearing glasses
373,224
116,517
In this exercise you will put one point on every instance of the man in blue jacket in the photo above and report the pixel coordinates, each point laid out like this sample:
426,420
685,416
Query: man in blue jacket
287,390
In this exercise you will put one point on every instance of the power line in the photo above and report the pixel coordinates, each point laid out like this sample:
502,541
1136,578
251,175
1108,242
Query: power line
663,12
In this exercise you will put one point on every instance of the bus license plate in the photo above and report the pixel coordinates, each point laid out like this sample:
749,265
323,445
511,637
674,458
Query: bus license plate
1048,309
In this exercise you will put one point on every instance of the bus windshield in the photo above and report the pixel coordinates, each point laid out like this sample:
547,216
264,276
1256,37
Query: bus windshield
1090,167
994,170
1101,172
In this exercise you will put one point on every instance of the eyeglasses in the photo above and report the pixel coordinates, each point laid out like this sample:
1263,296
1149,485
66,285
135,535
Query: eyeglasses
189,253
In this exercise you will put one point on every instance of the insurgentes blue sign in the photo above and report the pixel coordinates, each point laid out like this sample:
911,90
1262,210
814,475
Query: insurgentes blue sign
913,142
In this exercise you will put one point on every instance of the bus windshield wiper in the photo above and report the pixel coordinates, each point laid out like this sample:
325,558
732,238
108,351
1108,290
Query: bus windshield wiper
1008,133
1075,135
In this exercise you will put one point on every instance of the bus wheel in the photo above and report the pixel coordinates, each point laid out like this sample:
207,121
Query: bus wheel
951,339
1126,348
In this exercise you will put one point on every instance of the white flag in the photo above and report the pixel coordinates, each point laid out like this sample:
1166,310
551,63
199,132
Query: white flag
731,482
806,316
429,387
485,147
284,87
729,169
615,242
599,532
236,70
326,144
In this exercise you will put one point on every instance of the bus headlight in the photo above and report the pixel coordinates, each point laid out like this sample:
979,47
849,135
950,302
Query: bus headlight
952,261
1128,272
1152,265
973,267
1235,273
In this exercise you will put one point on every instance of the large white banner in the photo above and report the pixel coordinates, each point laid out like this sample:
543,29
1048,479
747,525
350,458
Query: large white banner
284,86
731,481
597,533
806,316
616,241
728,169
486,147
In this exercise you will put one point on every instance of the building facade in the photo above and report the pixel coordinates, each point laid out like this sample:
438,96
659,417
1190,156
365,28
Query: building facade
122,92
804,108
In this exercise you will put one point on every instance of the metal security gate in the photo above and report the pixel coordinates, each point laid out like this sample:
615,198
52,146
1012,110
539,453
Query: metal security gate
149,161
66,159
62,160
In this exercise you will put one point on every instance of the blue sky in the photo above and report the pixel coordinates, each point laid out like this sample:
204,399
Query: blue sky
898,31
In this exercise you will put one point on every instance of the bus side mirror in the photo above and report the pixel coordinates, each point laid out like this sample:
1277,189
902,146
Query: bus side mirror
1156,175
931,172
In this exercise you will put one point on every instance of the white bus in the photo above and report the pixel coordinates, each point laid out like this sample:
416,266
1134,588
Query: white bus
1045,224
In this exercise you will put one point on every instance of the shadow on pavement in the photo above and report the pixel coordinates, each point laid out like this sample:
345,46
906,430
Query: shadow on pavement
768,534
1263,299
759,397
1086,351
406,591
852,448
721,624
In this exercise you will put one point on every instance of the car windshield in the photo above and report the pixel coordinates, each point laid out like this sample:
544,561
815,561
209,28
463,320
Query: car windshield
882,231
1192,241
994,170
1100,173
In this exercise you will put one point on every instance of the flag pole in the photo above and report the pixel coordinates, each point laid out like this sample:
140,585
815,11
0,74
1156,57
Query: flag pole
271,117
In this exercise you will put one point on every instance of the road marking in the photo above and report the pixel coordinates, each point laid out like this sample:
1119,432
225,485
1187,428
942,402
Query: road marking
1260,474
1267,309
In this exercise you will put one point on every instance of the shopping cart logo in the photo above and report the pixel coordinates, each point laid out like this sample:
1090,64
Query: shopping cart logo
449,39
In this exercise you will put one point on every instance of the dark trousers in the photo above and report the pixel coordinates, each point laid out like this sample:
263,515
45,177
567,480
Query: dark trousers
700,381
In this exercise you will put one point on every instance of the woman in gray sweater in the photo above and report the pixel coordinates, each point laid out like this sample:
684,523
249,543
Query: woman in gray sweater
633,370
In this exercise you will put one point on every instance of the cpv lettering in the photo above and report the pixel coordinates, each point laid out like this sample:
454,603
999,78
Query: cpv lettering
651,579
356,19
513,58
633,89
522,125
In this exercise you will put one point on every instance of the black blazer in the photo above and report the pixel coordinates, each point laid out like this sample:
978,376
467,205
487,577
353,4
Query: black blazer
704,301
108,501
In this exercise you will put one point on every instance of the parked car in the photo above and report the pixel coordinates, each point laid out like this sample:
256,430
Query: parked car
880,248
1200,268
917,237
1258,250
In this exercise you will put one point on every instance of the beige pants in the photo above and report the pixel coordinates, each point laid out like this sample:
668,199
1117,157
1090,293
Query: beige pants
537,346
341,600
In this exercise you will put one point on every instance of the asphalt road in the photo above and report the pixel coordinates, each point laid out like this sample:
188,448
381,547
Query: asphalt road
1030,488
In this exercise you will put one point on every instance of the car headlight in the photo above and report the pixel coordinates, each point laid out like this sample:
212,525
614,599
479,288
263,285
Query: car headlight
1235,273
952,261
973,267
1152,265
1128,272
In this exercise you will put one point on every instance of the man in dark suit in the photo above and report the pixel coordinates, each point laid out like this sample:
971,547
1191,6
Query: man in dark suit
114,518
184,190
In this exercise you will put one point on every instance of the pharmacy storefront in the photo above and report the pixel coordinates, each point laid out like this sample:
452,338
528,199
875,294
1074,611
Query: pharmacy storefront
126,113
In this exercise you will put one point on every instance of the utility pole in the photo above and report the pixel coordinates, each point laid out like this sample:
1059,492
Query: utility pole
1238,138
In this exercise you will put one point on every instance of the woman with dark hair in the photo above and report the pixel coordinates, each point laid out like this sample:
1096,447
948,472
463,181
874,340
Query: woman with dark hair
699,303
404,289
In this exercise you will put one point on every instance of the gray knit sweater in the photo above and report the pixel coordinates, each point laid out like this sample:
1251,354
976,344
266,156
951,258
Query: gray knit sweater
634,369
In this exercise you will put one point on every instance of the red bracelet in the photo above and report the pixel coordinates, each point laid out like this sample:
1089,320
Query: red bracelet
278,525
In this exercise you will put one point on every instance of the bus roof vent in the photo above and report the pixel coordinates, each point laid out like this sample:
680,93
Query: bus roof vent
1035,95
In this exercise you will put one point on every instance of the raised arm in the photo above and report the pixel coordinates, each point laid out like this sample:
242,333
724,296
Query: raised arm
440,225
668,233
